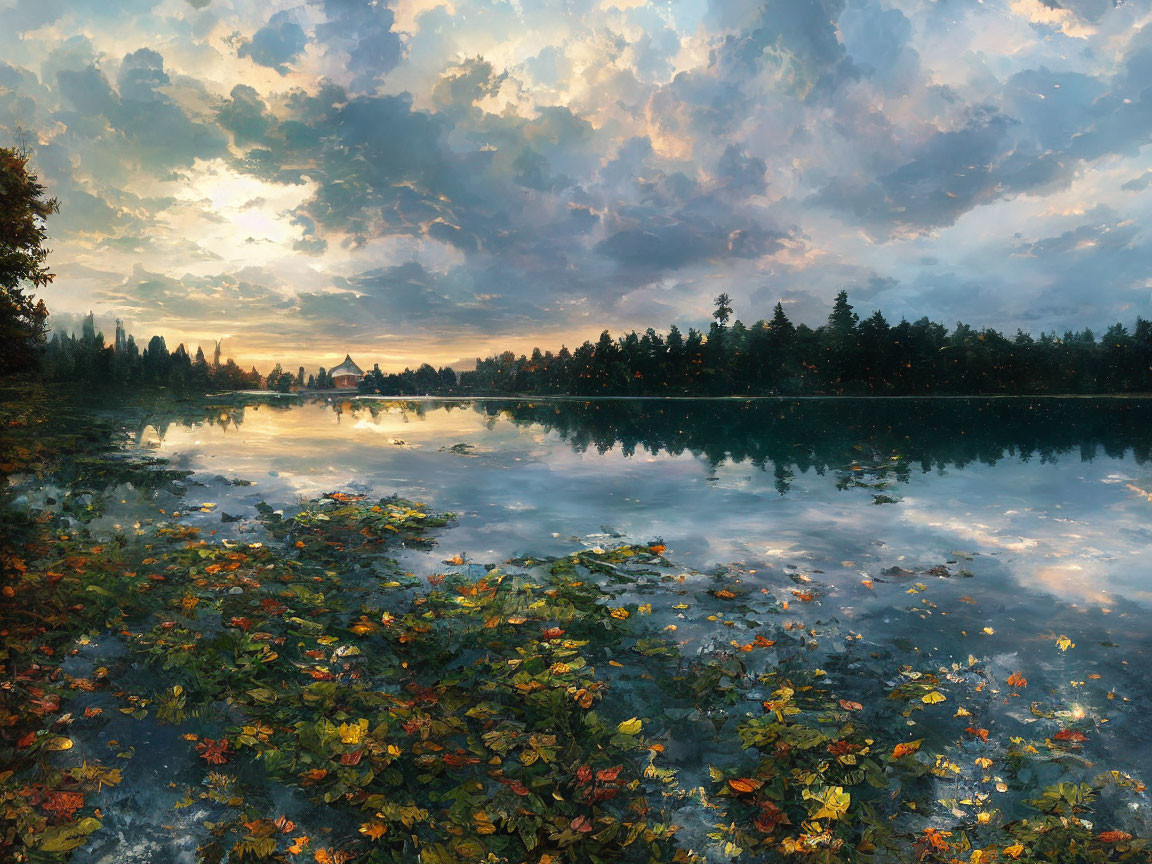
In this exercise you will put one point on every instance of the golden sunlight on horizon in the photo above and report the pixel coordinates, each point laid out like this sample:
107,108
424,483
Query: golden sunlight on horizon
393,354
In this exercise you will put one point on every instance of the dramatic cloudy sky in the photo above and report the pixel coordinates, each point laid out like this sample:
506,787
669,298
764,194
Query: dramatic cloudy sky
411,179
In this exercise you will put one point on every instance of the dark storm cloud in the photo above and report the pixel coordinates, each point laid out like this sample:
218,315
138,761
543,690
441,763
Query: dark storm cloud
742,172
245,115
533,171
363,28
161,133
802,34
951,173
466,83
277,44
875,36
88,91
675,243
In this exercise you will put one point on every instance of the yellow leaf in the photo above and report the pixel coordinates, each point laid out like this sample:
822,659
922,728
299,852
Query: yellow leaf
1064,643
353,733
833,802
629,727
59,743
933,697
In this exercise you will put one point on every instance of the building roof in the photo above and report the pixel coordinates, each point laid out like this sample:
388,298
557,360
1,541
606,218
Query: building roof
346,368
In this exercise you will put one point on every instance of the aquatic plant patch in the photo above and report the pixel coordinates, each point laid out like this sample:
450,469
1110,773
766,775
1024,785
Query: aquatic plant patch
318,703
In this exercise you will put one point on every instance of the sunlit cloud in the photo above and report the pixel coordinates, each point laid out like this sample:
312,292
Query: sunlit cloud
440,179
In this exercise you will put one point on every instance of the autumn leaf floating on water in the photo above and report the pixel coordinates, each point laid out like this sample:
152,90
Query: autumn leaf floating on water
833,802
213,752
905,749
374,830
433,708
630,727
745,784
1113,836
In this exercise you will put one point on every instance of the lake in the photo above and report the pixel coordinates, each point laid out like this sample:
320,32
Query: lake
941,534
1048,498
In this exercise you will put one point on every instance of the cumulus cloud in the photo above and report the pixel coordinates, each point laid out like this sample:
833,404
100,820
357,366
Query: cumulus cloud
277,44
491,170
363,30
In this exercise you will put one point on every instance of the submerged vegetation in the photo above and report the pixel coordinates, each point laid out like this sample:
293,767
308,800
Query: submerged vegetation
312,701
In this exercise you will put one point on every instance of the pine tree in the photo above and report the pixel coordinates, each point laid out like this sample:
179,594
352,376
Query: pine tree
723,310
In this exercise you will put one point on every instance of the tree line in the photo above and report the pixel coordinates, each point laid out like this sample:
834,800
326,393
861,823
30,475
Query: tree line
85,358
846,355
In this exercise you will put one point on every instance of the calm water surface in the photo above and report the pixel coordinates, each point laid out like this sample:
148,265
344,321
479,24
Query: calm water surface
1052,498
935,530
1036,512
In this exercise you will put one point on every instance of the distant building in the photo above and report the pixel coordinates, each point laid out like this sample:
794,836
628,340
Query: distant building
346,375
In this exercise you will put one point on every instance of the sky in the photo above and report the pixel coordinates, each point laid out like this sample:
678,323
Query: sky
411,180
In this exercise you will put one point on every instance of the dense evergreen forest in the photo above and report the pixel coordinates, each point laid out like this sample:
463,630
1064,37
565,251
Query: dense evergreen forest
87,359
845,356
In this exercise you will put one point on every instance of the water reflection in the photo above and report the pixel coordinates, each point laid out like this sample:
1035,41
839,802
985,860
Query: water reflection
890,435
883,439
1011,521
